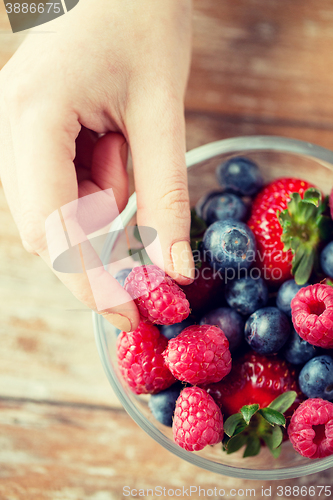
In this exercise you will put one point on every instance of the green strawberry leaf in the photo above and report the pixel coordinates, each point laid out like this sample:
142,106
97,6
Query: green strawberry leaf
273,417
232,423
235,443
312,195
274,438
253,447
303,228
276,451
302,271
283,402
248,411
198,225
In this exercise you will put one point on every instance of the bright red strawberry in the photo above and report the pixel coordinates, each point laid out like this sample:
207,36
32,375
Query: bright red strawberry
141,361
311,428
199,354
312,314
275,262
254,397
254,379
197,420
158,297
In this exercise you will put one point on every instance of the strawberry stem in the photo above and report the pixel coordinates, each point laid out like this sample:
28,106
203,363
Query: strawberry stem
304,226
253,426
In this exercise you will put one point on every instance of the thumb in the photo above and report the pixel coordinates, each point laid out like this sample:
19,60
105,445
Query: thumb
157,139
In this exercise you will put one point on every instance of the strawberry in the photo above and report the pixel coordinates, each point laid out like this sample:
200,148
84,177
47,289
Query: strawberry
275,257
255,386
254,378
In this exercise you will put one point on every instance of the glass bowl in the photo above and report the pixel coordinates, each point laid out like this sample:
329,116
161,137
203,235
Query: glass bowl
276,157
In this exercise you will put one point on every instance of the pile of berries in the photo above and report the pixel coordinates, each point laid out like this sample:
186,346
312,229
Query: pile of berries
242,355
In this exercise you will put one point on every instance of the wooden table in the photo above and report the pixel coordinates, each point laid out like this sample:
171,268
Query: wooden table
259,67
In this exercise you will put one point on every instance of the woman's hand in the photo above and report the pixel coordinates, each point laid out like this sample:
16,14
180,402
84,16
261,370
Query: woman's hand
111,67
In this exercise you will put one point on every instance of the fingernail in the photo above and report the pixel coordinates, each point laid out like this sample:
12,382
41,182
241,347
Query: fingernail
182,259
119,321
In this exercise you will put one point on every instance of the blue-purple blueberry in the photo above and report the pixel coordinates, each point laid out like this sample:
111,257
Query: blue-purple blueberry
224,206
229,244
200,207
230,322
267,330
298,351
286,293
326,260
121,275
172,331
246,294
316,378
162,405
240,175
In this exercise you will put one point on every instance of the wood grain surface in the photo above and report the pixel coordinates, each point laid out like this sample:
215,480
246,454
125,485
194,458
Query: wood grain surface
259,67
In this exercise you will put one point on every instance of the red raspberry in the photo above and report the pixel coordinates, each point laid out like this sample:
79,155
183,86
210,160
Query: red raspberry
199,354
312,314
141,361
311,428
158,297
197,421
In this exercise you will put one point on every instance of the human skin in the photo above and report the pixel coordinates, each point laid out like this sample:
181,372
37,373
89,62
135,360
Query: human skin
111,67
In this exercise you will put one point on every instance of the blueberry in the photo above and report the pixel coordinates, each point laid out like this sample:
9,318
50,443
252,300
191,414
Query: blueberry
316,378
229,244
120,276
267,330
246,294
230,322
224,206
286,293
240,175
326,260
162,405
171,331
200,207
298,351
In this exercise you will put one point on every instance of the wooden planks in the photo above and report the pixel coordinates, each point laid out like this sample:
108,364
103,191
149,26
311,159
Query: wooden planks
202,128
72,453
47,345
259,58
259,67
268,59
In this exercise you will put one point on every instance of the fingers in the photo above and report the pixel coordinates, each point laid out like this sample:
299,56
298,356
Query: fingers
108,170
50,213
157,140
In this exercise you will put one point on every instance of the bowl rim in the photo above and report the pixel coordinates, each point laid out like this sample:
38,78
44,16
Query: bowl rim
245,144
